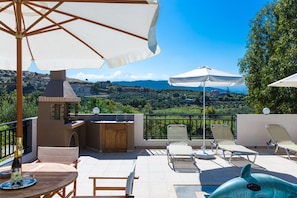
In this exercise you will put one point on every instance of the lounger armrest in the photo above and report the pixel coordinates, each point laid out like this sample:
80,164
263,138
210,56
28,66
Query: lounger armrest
213,144
271,142
268,143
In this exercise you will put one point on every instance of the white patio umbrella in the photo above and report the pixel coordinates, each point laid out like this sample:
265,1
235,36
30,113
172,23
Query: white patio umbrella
290,81
71,34
206,77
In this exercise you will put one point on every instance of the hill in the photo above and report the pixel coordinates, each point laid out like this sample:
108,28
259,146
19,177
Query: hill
34,81
136,96
163,84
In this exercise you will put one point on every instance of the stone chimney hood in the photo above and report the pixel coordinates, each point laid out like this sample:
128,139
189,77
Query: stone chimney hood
58,89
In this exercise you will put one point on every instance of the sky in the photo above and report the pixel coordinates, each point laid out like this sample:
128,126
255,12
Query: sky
191,34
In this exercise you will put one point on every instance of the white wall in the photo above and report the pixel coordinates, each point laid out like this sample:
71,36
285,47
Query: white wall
139,141
251,127
250,131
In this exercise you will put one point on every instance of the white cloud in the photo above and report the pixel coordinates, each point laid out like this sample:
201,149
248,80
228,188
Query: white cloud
116,76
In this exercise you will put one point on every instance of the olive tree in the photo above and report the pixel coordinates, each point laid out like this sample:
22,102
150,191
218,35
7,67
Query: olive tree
271,55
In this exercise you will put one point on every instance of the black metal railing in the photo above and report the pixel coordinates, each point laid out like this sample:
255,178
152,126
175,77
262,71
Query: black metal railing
155,125
8,138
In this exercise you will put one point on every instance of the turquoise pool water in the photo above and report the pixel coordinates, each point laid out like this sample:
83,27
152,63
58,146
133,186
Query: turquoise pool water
188,191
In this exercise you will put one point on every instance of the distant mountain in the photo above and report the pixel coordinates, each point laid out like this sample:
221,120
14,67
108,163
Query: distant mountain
35,81
163,84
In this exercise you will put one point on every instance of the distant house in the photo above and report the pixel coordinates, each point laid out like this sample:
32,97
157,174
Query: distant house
190,100
214,93
82,88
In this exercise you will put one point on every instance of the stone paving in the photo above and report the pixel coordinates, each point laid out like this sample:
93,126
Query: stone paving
157,179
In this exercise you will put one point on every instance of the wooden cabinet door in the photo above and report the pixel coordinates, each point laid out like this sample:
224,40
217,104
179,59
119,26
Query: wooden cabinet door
115,137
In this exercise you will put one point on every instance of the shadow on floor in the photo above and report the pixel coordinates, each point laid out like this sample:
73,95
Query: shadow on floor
184,165
193,191
114,155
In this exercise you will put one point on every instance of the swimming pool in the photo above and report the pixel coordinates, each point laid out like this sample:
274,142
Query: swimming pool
189,191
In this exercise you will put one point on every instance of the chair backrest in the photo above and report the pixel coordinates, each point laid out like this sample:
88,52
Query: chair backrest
65,155
222,134
130,181
177,133
279,133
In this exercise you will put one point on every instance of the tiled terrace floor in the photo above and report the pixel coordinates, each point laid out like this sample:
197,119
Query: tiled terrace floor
157,179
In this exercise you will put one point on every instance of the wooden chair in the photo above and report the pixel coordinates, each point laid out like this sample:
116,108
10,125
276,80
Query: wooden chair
128,188
64,155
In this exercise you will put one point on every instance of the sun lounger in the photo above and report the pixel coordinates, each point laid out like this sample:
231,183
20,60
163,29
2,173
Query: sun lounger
224,140
177,144
280,138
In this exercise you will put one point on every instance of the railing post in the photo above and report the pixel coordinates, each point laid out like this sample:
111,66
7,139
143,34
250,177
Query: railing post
146,127
190,121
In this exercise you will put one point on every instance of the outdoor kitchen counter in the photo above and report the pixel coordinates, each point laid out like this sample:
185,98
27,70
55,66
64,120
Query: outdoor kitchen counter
111,136
74,124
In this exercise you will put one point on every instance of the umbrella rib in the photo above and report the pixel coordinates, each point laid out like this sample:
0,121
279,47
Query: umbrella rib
80,40
84,19
98,1
116,29
27,40
50,28
59,26
42,16
5,7
6,29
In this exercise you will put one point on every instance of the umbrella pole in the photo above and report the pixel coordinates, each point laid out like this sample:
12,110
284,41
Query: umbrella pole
203,146
203,154
19,86
19,79
19,106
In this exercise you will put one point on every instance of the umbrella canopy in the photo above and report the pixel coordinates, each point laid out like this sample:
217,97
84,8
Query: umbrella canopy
70,34
206,77
290,81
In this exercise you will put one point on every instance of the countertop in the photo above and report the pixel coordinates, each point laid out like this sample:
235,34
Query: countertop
74,124
112,122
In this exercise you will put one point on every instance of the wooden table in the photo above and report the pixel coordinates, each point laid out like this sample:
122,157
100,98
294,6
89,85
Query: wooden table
51,177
